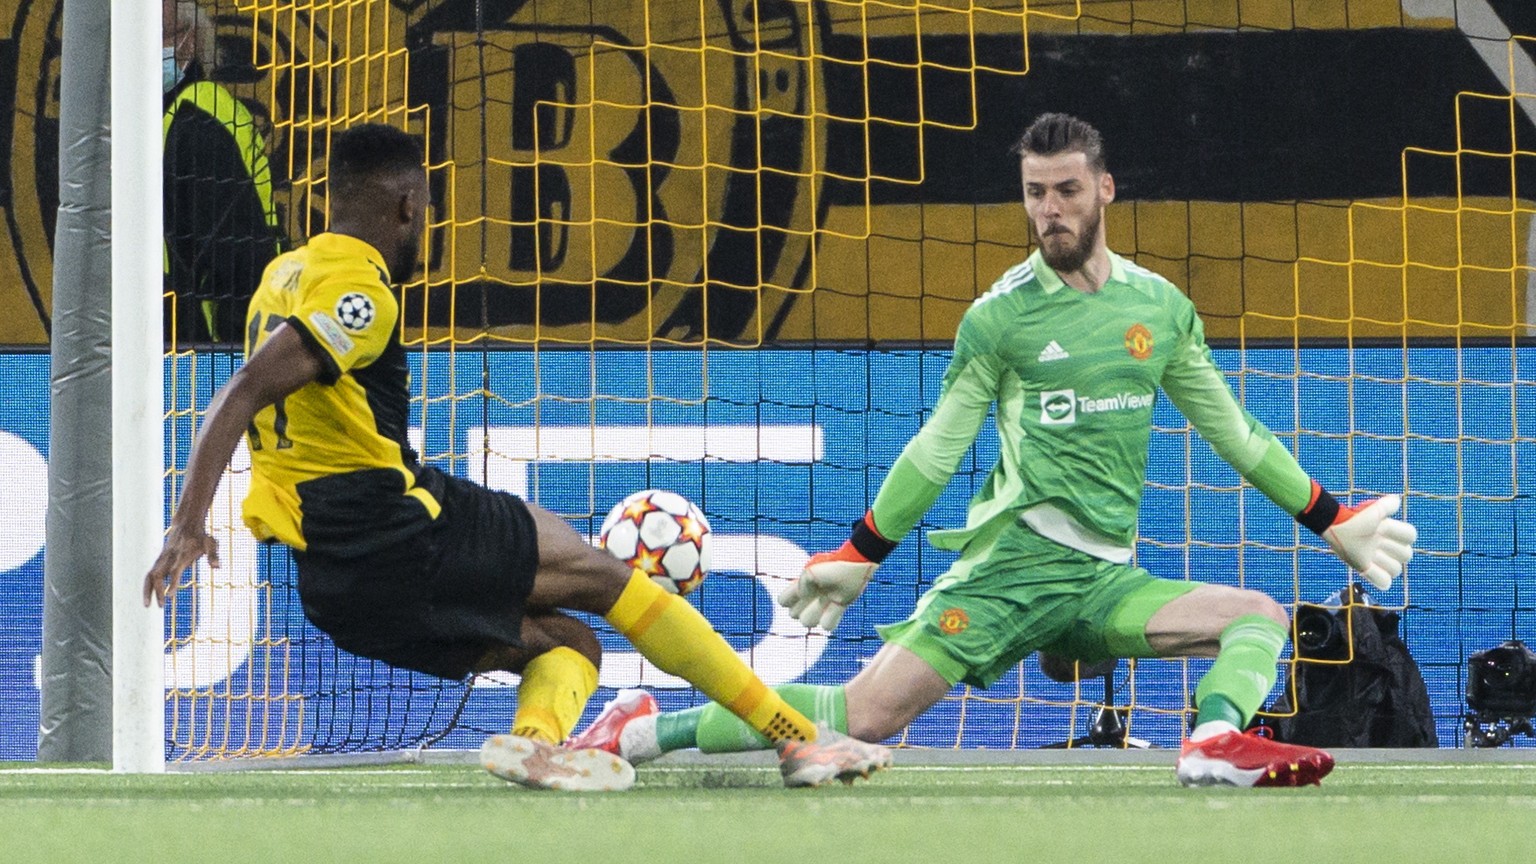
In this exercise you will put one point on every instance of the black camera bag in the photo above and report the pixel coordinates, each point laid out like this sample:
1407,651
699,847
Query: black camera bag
1376,698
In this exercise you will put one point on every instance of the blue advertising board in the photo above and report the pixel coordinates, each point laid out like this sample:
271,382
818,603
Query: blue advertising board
783,449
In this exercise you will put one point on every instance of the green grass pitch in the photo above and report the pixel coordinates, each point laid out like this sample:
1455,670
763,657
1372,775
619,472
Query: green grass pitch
736,812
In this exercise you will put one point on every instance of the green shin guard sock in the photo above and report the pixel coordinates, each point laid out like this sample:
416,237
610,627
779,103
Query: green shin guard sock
679,730
1219,707
719,731
1243,673
713,729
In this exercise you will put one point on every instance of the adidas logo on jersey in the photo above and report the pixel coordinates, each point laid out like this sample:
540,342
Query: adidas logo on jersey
1053,351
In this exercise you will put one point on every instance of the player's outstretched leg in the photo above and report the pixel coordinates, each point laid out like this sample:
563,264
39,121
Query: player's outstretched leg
540,765
663,627
626,727
676,638
1232,758
608,732
1217,753
630,726
832,756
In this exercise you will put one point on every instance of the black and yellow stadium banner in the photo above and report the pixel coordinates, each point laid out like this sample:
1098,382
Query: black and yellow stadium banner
789,171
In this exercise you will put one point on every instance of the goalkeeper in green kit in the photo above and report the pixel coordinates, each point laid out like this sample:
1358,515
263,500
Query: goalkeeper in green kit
1071,347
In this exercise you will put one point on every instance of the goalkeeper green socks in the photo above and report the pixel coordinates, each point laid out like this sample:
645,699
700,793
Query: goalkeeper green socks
713,729
1243,673
670,633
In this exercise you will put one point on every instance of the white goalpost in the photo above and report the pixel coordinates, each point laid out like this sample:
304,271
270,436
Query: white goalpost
138,634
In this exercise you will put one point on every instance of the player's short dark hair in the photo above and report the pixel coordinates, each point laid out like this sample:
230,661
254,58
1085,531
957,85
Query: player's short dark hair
1054,133
373,150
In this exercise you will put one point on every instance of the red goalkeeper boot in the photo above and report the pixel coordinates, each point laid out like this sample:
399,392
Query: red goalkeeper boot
607,732
1252,759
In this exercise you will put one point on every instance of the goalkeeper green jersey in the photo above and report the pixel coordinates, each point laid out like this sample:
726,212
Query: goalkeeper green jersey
1074,377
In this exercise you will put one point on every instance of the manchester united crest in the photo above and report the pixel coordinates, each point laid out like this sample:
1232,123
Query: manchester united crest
1138,341
952,621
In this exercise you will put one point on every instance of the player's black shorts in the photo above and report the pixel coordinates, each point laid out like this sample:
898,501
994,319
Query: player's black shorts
387,581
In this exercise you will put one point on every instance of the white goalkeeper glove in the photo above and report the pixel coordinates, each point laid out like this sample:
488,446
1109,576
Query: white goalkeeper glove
1366,538
831,581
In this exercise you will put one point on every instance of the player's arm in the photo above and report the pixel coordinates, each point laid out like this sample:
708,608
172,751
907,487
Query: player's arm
1367,538
833,580
282,365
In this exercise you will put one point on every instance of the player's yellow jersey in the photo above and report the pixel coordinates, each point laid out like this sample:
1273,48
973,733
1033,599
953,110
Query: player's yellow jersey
335,292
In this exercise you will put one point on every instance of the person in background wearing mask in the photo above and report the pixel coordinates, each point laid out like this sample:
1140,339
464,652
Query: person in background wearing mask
220,223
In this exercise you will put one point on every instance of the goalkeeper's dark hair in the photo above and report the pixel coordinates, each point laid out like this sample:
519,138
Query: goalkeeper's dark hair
1056,133
372,151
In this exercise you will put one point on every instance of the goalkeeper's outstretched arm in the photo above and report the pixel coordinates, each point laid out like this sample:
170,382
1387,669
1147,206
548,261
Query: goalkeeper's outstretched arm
833,580
1367,537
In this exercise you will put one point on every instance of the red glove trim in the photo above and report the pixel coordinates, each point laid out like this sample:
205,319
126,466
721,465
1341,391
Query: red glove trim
1322,512
866,540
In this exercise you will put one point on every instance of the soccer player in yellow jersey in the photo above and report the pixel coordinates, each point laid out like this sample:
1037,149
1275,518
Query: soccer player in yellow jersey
402,563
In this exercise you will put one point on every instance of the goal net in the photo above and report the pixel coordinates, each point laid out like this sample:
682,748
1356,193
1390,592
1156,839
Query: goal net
721,248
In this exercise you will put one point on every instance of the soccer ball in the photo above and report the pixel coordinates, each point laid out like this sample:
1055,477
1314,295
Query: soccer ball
662,534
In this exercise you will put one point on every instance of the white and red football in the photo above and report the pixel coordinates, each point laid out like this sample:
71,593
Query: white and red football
661,533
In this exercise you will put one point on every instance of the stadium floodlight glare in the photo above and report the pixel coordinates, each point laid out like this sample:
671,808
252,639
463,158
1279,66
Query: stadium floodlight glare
1501,691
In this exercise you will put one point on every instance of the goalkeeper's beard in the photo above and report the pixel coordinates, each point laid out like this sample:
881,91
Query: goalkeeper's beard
1071,258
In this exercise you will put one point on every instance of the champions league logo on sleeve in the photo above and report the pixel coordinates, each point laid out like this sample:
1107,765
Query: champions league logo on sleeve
355,312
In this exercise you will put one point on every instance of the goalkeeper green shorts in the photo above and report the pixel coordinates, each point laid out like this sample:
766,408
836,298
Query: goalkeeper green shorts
1013,592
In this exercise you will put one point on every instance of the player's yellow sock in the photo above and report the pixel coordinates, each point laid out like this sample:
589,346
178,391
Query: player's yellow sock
554,689
673,635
